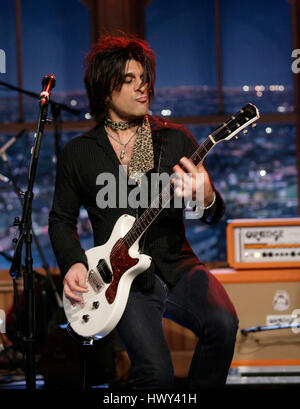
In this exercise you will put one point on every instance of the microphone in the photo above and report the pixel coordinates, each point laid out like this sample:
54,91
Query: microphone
48,83
11,141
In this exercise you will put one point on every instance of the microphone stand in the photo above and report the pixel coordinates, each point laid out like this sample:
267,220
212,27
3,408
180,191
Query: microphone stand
25,236
56,109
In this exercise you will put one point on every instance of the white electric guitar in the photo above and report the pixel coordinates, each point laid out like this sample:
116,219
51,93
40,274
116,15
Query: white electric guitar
114,265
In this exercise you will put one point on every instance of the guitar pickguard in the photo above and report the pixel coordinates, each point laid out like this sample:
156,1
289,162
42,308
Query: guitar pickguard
120,261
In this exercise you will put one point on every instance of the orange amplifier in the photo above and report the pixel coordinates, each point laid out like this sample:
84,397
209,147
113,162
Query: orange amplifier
263,243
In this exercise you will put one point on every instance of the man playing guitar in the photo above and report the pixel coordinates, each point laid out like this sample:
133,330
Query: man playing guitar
119,78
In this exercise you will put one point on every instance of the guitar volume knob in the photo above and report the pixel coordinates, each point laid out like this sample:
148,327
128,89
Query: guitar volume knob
96,305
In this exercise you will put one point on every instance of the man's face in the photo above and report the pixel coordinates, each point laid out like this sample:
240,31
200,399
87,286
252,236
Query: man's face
132,101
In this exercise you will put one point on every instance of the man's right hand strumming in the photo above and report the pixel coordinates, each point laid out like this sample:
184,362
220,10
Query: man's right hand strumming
75,280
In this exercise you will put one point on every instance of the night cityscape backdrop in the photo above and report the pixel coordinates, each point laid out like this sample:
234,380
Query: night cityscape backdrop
256,174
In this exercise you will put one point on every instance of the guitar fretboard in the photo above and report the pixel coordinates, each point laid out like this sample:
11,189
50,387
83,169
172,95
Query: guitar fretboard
231,127
162,200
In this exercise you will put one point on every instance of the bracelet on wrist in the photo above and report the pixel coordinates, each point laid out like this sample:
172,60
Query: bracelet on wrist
211,204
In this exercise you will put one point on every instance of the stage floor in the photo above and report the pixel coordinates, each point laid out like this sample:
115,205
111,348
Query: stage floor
269,377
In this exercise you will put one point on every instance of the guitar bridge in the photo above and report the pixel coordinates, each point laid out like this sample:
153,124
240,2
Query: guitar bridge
95,281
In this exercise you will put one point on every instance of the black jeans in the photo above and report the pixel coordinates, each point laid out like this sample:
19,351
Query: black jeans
198,302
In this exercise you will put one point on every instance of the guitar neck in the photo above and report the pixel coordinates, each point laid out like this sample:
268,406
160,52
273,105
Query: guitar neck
243,118
162,200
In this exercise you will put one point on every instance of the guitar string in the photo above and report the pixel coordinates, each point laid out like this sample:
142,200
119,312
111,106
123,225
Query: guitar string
144,216
162,200
225,126
198,154
195,155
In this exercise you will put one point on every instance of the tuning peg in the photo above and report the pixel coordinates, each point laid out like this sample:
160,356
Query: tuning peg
254,125
245,131
236,136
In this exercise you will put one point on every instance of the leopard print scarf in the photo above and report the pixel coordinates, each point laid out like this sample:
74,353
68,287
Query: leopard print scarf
142,158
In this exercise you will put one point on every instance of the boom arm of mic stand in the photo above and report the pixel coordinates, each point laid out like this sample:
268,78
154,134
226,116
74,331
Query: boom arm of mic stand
37,96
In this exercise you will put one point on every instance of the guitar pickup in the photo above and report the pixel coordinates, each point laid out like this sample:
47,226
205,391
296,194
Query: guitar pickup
104,271
95,281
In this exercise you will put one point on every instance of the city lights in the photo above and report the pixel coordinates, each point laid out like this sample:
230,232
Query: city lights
166,112
262,172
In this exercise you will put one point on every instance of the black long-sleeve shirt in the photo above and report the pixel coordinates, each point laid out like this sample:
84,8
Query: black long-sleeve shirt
89,155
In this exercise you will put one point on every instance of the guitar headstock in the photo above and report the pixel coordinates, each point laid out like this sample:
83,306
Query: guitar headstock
246,116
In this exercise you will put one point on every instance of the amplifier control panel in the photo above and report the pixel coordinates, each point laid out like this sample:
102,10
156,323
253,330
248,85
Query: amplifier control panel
259,243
